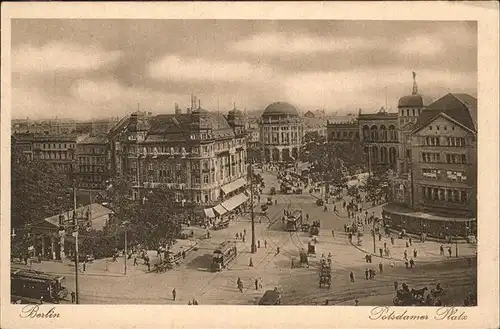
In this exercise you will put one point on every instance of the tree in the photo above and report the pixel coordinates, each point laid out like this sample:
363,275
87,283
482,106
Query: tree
38,191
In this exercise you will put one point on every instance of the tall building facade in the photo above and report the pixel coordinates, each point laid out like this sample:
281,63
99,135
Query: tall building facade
199,155
93,162
409,109
57,150
281,132
379,135
443,173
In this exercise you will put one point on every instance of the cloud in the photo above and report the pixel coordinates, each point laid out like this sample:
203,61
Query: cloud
366,88
273,44
423,45
172,67
59,56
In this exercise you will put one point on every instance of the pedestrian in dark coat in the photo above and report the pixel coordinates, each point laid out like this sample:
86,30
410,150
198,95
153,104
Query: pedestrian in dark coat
174,294
366,274
351,275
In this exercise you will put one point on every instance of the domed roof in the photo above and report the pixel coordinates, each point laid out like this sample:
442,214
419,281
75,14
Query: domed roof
280,108
413,101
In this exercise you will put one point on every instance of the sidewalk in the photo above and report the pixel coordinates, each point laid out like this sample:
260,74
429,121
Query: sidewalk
427,251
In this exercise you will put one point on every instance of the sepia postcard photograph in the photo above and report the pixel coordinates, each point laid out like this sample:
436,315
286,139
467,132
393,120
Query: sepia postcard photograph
266,156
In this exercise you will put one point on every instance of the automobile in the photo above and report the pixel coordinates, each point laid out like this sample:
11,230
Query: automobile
298,191
270,297
320,202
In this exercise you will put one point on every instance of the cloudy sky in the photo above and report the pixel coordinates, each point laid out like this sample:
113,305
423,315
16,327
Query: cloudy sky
98,68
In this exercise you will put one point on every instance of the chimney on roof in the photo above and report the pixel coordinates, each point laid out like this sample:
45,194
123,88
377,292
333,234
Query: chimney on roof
188,110
177,109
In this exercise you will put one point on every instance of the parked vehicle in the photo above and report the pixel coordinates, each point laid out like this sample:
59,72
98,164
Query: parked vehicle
270,297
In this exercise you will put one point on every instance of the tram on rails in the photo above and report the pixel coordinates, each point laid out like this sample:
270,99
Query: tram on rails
30,285
222,255
294,220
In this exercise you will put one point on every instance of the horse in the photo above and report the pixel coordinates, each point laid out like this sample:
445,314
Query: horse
419,292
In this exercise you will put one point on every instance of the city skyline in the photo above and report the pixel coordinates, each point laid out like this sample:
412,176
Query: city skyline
85,69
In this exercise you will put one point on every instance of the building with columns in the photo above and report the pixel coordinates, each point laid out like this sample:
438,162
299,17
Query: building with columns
52,236
281,132
379,135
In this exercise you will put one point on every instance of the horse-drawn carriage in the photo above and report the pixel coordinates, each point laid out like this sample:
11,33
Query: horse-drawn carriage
314,229
413,297
325,275
311,249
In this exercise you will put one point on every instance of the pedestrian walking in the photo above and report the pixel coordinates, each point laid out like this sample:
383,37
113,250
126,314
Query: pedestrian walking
406,263
277,250
395,285
385,245
380,251
244,232
149,266
73,297
174,294
405,254
392,240
407,245
333,233
351,275
381,267
441,250
258,243
243,238
260,283
449,251
414,253
84,265
409,240
356,302
366,258
366,274
135,261
265,243
380,237
256,284
250,264
412,262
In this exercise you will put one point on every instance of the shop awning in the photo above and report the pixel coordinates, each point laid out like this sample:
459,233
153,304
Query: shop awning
220,209
234,202
209,212
228,188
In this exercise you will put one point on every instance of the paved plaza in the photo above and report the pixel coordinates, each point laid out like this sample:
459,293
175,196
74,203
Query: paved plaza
104,281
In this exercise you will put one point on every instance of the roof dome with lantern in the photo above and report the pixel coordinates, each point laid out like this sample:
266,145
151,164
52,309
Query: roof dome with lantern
415,100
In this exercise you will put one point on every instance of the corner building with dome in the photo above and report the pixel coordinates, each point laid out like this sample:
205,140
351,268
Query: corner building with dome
281,133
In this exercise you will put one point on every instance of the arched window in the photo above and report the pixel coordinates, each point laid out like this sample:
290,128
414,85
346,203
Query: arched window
392,133
374,133
383,133
366,133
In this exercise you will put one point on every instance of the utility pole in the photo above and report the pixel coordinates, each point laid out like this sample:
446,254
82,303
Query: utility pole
373,234
126,254
75,233
253,247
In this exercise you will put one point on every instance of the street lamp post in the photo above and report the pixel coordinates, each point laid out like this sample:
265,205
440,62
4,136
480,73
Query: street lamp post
124,224
253,247
75,234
